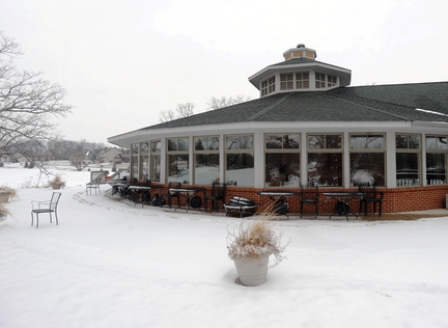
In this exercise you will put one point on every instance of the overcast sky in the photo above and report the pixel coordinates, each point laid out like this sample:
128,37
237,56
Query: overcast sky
124,61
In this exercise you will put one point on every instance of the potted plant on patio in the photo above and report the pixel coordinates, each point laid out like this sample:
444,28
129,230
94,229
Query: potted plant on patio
250,245
56,182
6,193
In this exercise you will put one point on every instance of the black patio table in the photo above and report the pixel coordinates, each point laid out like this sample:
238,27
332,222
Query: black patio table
145,191
277,196
342,199
188,193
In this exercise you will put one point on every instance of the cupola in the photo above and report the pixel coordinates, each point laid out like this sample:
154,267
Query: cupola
300,52
300,72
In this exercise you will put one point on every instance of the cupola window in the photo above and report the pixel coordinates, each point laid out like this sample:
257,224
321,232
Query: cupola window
268,86
303,80
320,81
286,81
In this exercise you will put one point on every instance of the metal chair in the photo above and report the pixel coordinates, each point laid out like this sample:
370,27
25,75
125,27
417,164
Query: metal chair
370,195
218,194
93,185
309,195
46,206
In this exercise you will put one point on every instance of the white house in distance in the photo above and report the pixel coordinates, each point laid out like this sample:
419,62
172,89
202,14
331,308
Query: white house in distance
308,126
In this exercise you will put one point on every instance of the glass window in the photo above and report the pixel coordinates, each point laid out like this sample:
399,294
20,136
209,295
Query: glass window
367,159
178,169
206,164
239,142
320,80
435,168
144,161
407,159
178,160
369,142
286,81
325,159
282,160
134,160
268,86
155,160
436,160
303,80
332,80
325,169
436,142
239,170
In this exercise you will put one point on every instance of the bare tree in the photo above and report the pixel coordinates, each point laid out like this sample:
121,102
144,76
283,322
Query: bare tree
27,103
215,103
167,115
182,110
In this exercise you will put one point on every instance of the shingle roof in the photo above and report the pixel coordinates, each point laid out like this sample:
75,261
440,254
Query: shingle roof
365,103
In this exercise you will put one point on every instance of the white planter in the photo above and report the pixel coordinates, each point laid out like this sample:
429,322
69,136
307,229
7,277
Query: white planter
252,271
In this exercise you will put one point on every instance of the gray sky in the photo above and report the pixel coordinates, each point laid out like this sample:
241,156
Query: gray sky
122,62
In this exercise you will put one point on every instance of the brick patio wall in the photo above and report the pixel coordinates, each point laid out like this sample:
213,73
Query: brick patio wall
395,200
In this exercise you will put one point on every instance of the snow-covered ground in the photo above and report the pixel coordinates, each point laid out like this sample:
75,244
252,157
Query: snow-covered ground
112,264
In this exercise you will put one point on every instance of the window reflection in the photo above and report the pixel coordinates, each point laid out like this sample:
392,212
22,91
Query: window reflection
282,169
206,169
178,170
436,169
325,169
240,169
367,168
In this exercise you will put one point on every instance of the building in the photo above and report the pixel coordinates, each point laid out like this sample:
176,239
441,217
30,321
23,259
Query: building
308,126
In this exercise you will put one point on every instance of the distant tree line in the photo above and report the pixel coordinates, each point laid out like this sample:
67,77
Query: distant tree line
185,110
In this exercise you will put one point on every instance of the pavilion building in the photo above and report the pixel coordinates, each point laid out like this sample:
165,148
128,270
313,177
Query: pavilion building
309,126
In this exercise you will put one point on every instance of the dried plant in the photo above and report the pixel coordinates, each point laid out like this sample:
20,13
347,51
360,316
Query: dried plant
56,182
7,190
3,213
255,239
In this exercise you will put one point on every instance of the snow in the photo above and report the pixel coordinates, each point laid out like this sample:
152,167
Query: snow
111,264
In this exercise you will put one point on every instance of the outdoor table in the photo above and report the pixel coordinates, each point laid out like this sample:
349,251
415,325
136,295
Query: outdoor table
145,191
116,187
342,199
277,196
188,192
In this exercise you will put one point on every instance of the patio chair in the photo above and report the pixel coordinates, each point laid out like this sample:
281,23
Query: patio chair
218,194
370,195
309,195
46,206
170,195
95,181
93,185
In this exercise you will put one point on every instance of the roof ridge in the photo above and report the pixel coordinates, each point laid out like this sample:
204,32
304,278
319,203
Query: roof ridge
269,108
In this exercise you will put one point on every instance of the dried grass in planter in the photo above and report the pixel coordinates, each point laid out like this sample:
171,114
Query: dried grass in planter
255,240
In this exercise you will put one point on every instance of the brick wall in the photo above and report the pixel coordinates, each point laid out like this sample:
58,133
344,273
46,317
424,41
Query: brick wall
395,200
